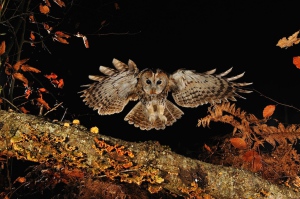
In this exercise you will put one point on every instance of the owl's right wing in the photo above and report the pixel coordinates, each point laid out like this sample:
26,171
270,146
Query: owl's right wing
109,94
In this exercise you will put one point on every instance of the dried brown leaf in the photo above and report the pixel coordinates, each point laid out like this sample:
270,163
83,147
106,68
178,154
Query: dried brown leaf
285,43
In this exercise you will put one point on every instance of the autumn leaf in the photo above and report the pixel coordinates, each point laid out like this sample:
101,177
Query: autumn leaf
20,77
24,110
268,111
61,34
254,158
8,69
2,48
19,63
51,76
60,83
47,2
43,90
43,102
85,41
28,92
31,19
207,148
44,9
296,61
20,180
60,3
32,36
47,27
285,43
238,143
27,68
61,40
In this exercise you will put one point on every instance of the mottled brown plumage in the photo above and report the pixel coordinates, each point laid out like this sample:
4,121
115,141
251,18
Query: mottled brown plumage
109,94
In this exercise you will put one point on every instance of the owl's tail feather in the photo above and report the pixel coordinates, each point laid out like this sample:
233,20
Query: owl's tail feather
139,118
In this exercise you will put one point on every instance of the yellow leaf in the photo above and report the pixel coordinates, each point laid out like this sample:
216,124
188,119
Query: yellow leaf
268,111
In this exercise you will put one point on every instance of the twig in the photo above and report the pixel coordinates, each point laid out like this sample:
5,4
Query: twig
287,105
11,104
53,109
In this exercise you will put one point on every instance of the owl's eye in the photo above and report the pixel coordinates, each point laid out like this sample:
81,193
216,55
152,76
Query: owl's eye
158,82
148,81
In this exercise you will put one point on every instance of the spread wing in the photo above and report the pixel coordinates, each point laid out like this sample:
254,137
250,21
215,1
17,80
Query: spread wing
110,93
191,89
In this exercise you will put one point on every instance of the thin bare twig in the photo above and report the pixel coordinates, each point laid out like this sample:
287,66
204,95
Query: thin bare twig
287,105
53,109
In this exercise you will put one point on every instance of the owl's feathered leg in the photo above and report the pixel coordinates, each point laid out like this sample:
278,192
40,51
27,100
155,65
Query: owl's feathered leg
139,116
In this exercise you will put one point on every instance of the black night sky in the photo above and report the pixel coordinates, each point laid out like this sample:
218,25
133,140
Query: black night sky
198,35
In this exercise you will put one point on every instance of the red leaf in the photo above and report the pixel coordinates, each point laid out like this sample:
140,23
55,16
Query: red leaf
268,111
296,61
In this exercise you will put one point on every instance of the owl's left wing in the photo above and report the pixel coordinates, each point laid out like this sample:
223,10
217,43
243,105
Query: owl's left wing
109,94
191,89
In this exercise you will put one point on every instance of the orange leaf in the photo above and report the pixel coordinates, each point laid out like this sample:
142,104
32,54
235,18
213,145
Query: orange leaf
31,19
238,143
19,63
47,27
43,102
20,180
268,111
61,40
207,148
20,77
296,61
85,41
60,3
51,76
43,90
60,83
61,34
254,158
44,9
32,37
26,68
24,110
47,3
2,48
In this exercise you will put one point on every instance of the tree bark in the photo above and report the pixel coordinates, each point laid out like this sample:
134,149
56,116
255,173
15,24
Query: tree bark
35,139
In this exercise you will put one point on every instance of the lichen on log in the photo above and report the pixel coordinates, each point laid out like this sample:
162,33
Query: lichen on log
73,147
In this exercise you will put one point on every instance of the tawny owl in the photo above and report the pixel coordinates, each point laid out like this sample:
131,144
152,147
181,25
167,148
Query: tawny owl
109,94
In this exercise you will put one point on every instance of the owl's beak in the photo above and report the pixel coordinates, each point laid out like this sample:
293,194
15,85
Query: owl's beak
152,91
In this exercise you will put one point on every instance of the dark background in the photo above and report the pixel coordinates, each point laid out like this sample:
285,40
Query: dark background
198,35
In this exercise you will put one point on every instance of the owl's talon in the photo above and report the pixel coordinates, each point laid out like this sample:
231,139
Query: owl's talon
163,118
152,118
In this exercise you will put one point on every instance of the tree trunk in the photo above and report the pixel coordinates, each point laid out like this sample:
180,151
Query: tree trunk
33,138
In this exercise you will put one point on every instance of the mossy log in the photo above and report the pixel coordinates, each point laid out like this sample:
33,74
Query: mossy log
73,147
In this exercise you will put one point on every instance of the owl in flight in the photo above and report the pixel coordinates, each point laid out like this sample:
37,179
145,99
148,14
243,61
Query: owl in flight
111,92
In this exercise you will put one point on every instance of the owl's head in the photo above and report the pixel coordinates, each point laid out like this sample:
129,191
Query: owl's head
153,83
